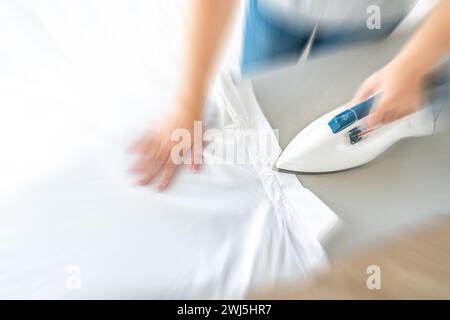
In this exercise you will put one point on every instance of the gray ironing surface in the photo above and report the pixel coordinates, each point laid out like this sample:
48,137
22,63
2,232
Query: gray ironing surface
407,184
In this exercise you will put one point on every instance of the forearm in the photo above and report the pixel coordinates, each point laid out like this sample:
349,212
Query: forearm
430,43
207,26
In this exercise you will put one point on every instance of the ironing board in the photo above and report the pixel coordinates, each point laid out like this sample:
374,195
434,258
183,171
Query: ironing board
408,183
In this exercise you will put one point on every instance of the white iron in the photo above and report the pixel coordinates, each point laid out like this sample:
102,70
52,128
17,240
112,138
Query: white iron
339,140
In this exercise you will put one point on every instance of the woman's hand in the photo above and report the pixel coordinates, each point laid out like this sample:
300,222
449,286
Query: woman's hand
401,81
402,91
154,148
206,28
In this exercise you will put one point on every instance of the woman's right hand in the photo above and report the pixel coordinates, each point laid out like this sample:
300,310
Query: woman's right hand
402,93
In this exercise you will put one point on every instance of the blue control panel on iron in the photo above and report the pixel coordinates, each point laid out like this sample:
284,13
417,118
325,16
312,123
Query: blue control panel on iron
349,116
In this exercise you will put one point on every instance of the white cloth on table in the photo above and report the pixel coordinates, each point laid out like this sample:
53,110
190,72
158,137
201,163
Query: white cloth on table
76,86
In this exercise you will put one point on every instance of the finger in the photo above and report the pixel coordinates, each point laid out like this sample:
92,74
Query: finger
364,92
153,167
196,159
379,111
148,176
146,156
168,173
374,119
142,163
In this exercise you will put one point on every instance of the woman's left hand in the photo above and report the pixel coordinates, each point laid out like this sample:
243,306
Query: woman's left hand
402,93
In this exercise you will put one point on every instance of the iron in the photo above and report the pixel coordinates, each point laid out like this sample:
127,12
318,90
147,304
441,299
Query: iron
339,140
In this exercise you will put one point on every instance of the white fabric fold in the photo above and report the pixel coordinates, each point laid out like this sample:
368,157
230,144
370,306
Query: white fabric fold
243,107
